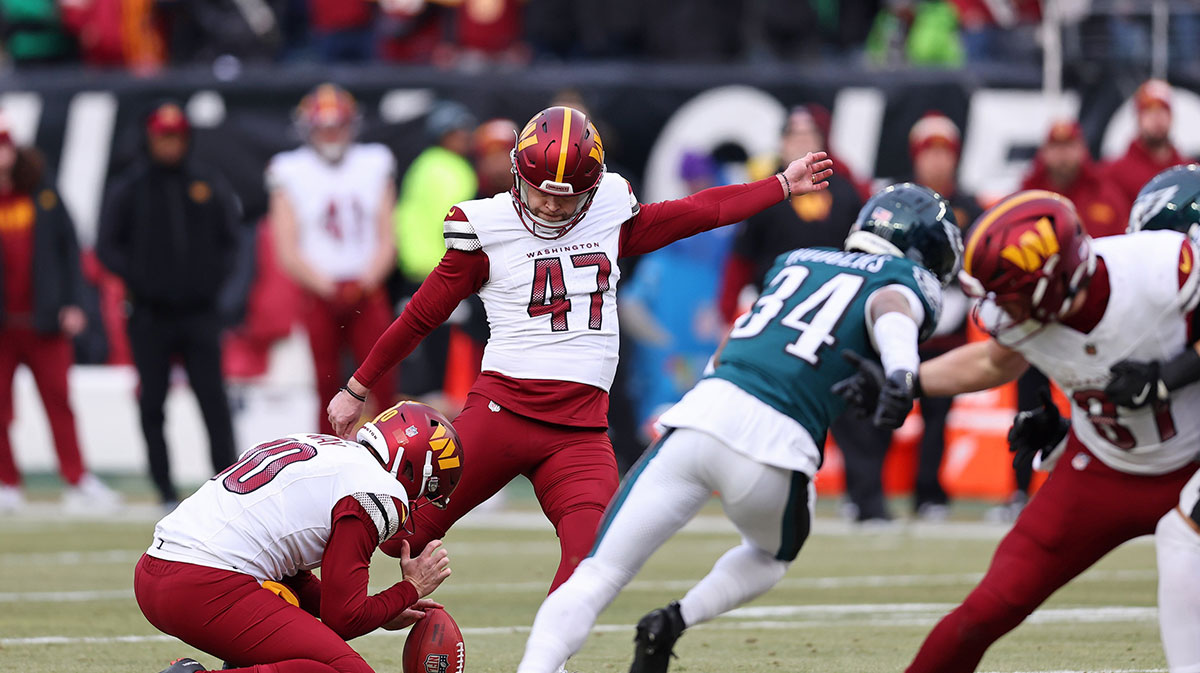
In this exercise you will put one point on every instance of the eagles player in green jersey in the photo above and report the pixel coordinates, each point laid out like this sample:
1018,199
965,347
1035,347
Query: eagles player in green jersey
753,429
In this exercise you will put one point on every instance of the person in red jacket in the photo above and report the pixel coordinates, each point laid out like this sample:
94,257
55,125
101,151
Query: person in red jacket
1151,152
1064,165
40,292
543,257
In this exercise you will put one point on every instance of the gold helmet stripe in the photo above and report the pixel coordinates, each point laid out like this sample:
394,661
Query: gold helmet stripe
564,147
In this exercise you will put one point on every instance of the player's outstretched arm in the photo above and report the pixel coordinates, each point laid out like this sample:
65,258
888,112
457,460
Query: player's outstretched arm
975,366
658,224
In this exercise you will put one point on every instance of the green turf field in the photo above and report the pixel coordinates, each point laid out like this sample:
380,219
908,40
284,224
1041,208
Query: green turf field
855,600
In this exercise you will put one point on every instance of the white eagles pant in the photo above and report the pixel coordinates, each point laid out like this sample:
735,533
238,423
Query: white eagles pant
771,507
1178,547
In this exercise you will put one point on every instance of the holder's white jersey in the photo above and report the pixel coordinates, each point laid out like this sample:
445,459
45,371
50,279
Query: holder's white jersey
551,305
269,515
336,205
1154,286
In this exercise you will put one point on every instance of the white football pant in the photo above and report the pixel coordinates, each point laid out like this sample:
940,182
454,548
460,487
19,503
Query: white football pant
771,507
1178,546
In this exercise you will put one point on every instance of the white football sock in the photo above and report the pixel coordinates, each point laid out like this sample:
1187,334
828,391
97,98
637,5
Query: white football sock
567,615
1178,547
742,574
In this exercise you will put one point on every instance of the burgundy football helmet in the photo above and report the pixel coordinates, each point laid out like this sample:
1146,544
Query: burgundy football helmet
327,118
419,447
558,153
1030,255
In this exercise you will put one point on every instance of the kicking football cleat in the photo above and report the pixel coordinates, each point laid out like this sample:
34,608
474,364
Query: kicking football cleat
184,665
655,639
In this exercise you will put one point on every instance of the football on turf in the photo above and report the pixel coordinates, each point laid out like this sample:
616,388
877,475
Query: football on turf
435,645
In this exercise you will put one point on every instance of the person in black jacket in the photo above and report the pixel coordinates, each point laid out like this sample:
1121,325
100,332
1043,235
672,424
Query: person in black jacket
169,231
40,290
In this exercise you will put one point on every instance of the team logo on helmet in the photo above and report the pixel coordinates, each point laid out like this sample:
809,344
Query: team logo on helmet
1034,249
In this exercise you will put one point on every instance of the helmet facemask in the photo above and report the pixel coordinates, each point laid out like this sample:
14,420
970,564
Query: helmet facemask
541,227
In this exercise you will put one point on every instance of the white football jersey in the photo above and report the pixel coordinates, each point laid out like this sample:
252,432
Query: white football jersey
551,305
336,205
1153,286
269,515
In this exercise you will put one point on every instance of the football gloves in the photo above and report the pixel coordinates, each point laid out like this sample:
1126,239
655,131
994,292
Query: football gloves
1037,430
887,398
1135,384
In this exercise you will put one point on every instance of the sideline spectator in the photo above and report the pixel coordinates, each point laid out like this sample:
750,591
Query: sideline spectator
490,145
934,144
1151,152
40,291
331,200
438,178
169,230
1064,165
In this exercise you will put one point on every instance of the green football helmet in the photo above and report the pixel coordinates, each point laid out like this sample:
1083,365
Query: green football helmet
1171,200
908,220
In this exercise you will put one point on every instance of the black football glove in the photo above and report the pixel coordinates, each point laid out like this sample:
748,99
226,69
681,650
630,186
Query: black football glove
1036,430
1135,384
895,399
860,390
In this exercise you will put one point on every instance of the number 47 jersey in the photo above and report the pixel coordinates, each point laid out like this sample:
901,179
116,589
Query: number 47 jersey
551,304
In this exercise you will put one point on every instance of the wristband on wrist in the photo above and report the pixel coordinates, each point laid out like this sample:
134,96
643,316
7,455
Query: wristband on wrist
786,185
1181,369
351,393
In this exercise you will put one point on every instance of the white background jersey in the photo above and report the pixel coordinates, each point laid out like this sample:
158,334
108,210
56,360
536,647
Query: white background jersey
336,205
270,514
1153,286
551,305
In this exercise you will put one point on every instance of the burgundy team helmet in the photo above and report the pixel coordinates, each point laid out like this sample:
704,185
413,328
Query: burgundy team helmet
1029,251
559,152
419,447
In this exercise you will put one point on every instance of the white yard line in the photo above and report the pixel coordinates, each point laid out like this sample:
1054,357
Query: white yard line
40,515
888,614
852,581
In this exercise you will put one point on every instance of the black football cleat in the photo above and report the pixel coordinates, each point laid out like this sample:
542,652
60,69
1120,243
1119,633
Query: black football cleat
184,665
655,639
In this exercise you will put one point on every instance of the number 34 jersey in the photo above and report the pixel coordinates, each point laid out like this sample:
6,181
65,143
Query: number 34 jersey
271,513
1154,287
787,350
551,304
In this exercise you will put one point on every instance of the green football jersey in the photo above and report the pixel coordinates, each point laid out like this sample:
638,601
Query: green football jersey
787,350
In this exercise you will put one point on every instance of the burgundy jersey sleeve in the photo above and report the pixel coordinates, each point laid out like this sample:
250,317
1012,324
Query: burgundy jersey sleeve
455,278
655,225
346,607
307,588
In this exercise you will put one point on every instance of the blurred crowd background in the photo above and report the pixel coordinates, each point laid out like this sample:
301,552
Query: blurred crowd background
146,136
147,35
